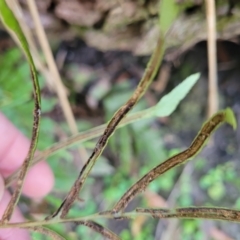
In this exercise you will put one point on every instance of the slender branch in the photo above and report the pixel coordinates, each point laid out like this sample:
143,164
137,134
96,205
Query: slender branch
178,159
112,125
14,28
214,213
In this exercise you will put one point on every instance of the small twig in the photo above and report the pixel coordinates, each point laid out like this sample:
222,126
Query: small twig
214,213
112,125
212,57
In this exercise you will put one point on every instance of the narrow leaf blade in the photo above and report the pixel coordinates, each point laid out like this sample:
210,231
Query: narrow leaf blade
230,118
169,102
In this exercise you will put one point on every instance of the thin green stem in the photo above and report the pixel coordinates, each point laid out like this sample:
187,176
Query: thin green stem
215,213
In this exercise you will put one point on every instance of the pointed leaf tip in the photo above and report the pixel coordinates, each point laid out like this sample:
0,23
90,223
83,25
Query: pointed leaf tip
230,118
169,102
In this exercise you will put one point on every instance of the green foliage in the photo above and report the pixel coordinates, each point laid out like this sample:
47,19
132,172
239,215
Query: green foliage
39,236
125,234
185,198
15,97
191,230
13,70
230,118
12,24
215,180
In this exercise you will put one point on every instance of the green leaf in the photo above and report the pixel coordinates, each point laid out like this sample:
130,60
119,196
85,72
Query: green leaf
230,118
169,102
13,26
13,94
168,12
